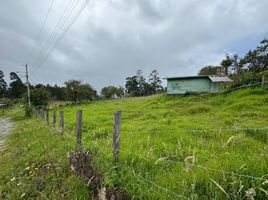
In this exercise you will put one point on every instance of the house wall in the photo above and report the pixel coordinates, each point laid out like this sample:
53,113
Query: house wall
199,85
215,87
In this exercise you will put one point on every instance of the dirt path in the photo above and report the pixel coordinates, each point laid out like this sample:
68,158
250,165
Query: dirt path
5,127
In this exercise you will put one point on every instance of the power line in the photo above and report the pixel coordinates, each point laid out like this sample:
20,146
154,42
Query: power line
63,34
40,31
64,31
56,29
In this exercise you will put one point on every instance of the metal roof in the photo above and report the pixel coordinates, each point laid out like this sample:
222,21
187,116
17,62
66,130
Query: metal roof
213,78
220,79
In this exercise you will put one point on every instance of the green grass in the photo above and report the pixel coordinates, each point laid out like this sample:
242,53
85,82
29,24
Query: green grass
34,164
165,142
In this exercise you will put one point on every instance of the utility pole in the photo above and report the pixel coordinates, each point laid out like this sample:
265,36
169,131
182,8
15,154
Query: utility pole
28,86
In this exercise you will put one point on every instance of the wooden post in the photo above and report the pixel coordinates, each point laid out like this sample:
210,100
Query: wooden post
116,136
62,122
54,115
42,115
79,128
262,81
35,113
47,116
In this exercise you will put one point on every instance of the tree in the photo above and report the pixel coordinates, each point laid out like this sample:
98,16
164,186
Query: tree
141,83
3,84
120,92
76,91
112,92
226,64
132,86
72,89
39,97
155,82
211,70
86,92
256,60
16,87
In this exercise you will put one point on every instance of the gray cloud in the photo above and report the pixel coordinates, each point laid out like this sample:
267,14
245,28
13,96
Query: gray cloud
112,39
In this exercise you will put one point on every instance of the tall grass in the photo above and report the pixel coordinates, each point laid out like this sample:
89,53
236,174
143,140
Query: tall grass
160,132
171,147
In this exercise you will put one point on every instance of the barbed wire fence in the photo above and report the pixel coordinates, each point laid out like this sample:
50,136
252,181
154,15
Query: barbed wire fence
78,128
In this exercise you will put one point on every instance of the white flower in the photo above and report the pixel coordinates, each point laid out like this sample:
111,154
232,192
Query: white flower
23,194
13,179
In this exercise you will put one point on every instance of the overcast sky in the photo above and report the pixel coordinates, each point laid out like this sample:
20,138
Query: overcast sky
112,39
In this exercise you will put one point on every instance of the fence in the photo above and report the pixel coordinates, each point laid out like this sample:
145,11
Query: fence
44,115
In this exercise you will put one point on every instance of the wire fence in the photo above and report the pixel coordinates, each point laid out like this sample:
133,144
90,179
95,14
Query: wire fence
73,127
202,131
246,86
264,177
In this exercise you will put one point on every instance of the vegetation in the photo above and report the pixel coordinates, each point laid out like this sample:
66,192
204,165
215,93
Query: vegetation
245,70
197,147
112,92
34,164
137,85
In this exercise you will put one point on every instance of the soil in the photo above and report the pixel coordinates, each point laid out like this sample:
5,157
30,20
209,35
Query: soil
5,127
80,162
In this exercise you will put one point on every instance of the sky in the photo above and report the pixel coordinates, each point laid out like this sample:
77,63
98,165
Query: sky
110,40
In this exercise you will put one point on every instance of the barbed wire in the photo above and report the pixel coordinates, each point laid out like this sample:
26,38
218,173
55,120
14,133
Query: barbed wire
245,86
198,130
222,171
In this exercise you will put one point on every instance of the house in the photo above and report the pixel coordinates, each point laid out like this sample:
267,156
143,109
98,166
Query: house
196,84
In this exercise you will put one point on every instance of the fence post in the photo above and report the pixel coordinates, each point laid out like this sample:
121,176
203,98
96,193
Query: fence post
47,116
79,128
54,115
35,113
42,115
62,122
262,81
116,136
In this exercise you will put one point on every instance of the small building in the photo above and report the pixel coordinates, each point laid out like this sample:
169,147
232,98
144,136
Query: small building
196,84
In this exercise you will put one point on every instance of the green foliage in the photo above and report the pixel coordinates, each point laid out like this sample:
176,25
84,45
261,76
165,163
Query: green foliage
164,139
211,70
245,70
3,85
39,97
76,91
16,87
156,139
137,85
36,166
112,92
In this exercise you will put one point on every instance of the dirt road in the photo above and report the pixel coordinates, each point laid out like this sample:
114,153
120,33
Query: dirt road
5,127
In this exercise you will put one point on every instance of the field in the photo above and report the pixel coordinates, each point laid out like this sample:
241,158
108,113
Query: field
195,147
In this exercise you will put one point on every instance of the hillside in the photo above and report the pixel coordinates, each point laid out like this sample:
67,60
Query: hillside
195,147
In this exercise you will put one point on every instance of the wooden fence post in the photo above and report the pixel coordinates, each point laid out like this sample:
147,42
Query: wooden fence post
42,115
35,113
262,81
116,136
54,115
62,122
47,116
79,128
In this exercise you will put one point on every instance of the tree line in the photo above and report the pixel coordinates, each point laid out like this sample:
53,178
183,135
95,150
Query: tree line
242,70
77,91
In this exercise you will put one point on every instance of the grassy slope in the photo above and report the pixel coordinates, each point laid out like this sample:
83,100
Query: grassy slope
155,142
34,165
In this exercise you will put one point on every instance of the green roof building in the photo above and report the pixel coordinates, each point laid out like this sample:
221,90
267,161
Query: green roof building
196,84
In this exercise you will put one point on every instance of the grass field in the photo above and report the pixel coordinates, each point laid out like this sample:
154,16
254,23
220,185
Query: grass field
195,147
